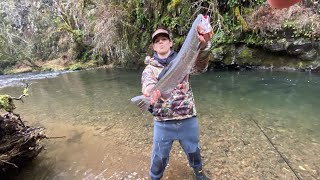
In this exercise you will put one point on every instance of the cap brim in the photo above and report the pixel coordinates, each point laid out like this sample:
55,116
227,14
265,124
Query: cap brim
162,34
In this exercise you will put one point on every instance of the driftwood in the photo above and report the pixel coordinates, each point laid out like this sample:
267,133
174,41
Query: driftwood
19,143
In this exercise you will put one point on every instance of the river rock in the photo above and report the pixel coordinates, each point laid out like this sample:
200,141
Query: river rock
218,53
299,46
304,49
277,45
309,55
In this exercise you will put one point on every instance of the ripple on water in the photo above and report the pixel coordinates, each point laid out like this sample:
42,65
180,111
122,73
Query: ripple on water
21,79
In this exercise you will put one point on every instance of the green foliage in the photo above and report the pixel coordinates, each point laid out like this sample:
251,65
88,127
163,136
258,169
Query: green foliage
307,31
233,3
85,56
80,65
122,29
253,39
234,25
6,103
178,40
240,19
221,37
245,53
258,2
139,15
77,34
173,5
218,50
26,91
76,66
23,29
117,32
300,21
252,3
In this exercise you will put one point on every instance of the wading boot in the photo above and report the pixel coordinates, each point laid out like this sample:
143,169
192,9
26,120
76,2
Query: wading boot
200,175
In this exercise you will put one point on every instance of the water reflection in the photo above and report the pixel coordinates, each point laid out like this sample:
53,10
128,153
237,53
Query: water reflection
108,138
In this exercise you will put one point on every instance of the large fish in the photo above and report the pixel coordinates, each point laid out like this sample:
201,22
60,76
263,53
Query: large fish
179,67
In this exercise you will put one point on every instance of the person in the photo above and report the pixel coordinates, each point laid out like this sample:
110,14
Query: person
174,116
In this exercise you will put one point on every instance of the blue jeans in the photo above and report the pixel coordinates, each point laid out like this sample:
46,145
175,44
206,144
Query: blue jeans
186,132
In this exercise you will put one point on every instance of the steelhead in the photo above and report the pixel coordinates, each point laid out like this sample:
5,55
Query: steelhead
179,67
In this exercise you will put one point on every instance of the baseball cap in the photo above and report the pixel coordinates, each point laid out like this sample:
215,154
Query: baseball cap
160,31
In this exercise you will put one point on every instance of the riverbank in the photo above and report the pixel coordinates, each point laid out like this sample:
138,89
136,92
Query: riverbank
52,65
244,59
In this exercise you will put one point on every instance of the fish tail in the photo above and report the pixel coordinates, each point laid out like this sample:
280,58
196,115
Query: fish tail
142,102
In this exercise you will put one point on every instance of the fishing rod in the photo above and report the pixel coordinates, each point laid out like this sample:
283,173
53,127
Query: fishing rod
285,160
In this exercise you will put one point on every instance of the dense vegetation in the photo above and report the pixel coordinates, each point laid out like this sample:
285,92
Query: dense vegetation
115,32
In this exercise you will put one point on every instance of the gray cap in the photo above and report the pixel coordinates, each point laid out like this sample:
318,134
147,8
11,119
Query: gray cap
160,31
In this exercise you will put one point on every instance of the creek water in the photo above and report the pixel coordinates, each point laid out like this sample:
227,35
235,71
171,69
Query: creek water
253,125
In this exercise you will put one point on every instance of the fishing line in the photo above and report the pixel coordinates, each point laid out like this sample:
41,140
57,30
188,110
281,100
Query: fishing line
285,160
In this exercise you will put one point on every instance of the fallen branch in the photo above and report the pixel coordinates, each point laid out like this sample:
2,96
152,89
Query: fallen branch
9,163
19,143
58,137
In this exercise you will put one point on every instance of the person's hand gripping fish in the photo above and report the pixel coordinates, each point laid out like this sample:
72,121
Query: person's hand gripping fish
155,96
205,32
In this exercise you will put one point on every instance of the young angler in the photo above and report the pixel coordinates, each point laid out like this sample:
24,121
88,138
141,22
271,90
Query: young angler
175,115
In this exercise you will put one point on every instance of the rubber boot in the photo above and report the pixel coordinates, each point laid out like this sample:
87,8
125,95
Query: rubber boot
200,175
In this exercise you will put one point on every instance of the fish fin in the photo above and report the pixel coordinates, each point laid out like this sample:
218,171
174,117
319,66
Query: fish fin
142,102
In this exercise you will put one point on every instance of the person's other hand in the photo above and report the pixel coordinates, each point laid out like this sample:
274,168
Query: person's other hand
181,86
203,36
155,96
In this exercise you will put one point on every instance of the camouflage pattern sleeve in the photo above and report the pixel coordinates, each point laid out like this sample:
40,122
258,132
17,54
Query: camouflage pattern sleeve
202,61
148,77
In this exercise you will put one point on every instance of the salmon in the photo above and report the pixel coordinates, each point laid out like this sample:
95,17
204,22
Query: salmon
178,68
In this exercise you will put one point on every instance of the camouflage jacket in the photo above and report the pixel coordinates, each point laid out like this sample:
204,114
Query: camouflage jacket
180,104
